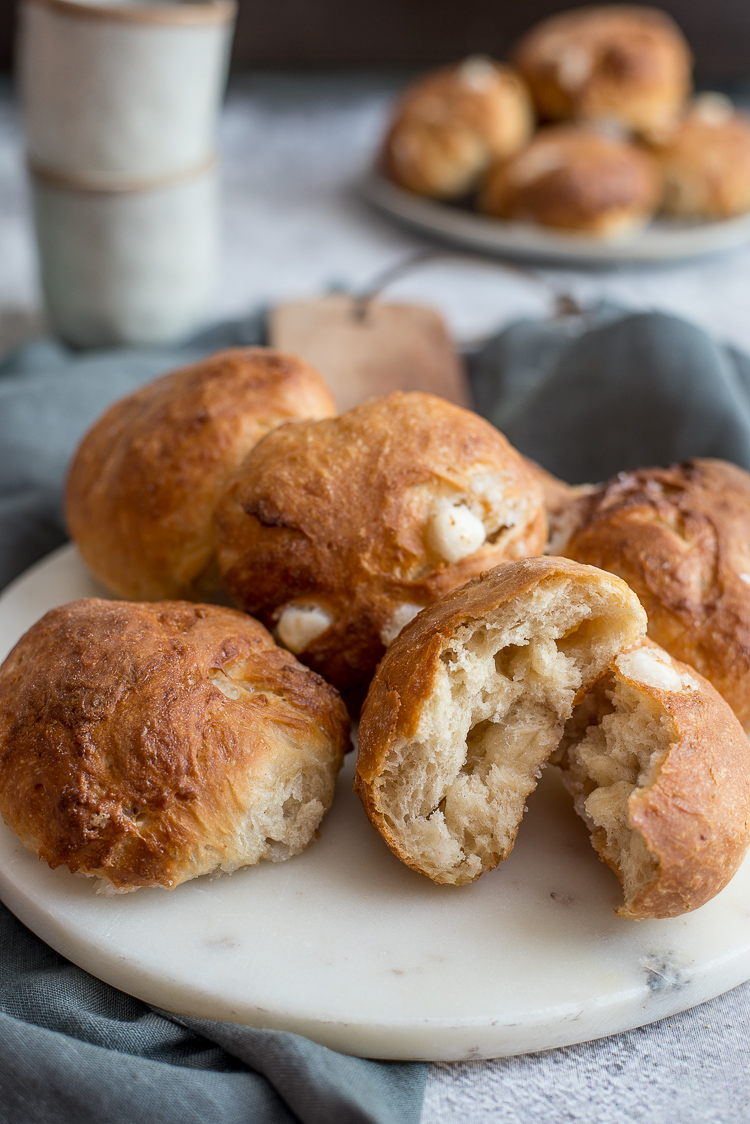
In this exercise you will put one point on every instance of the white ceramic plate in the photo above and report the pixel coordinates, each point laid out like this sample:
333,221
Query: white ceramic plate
346,945
662,241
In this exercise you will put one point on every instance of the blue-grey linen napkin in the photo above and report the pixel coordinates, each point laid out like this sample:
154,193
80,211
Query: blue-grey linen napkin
585,397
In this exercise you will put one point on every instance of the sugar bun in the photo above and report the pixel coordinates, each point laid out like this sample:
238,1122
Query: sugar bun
616,63
575,179
660,771
335,533
470,701
146,744
705,161
145,479
452,123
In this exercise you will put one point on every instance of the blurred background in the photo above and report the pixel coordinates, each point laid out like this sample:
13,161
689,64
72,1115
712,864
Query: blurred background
282,34
310,91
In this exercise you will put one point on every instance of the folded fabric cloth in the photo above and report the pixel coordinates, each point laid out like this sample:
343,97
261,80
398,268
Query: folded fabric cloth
76,1051
586,397
590,396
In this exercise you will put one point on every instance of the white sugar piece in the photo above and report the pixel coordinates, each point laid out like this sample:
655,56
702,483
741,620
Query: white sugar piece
299,625
455,532
654,669
399,619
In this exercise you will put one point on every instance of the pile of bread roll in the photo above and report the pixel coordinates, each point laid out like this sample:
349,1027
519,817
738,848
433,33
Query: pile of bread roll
620,137
393,560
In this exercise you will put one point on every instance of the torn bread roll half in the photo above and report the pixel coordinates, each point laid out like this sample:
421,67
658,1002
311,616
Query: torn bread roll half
146,478
336,533
659,768
470,702
149,743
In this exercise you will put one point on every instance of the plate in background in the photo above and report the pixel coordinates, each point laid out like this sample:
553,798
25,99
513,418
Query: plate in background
661,242
348,946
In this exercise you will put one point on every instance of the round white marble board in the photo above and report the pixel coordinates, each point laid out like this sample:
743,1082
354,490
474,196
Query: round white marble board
660,241
348,946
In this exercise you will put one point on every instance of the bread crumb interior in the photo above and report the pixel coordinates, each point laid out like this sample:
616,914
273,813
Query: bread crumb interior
289,798
454,795
624,736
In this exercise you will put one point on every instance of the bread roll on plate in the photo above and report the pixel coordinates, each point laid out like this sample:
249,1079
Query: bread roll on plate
470,701
614,63
453,123
680,538
660,771
705,161
146,478
335,533
146,744
574,179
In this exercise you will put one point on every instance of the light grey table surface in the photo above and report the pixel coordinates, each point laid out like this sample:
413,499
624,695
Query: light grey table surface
293,151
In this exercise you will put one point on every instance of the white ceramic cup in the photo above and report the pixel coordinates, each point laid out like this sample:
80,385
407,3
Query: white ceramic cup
131,267
120,93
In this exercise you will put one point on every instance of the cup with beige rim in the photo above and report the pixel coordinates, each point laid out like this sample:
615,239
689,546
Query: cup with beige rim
120,103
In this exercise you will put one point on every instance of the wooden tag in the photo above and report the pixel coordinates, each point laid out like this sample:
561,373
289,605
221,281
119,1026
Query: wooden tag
364,350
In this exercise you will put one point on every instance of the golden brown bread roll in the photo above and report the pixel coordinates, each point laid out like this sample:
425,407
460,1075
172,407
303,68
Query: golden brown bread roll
660,771
452,124
575,179
470,701
615,63
705,162
337,532
147,744
680,537
145,479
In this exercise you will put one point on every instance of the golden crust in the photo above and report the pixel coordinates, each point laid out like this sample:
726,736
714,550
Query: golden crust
705,163
335,512
407,674
693,812
575,179
451,124
120,757
615,62
680,538
145,479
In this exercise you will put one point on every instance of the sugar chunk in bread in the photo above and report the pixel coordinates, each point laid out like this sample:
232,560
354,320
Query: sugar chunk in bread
299,625
470,701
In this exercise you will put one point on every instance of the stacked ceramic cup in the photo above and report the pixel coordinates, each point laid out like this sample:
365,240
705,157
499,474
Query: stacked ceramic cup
120,103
